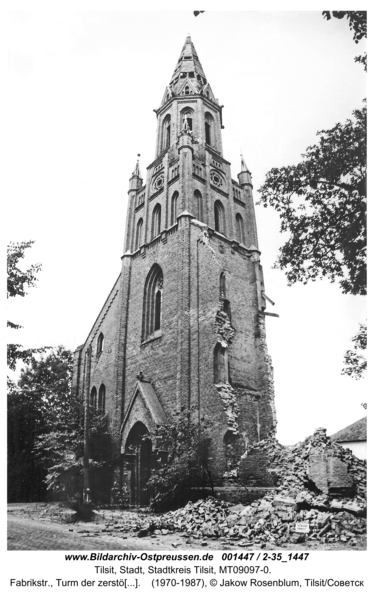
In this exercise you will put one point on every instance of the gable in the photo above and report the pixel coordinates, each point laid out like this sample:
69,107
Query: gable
207,91
188,84
145,407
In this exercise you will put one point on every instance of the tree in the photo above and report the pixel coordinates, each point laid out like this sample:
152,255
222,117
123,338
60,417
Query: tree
37,404
185,464
322,205
47,380
60,451
357,23
355,361
18,283
46,431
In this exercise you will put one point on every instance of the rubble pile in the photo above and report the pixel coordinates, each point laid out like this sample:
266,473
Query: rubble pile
276,522
295,512
291,466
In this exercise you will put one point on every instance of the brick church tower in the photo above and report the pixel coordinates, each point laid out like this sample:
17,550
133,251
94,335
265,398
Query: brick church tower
184,325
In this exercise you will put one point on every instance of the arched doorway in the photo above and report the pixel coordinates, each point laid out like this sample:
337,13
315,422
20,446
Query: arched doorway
138,458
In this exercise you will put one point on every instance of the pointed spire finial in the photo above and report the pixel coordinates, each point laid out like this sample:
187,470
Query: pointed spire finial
245,176
243,164
136,171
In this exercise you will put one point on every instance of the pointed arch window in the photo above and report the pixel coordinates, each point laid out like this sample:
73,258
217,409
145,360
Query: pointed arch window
152,304
209,128
188,112
239,228
198,205
93,397
174,208
101,405
221,364
219,217
158,310
166,133
139,231
100,344
156,221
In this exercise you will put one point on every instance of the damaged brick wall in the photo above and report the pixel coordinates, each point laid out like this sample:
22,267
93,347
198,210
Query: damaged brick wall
230,405
253,470
269,368
223,327
327,472
243,407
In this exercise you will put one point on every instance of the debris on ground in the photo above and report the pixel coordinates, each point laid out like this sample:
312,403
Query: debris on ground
298,510
320,498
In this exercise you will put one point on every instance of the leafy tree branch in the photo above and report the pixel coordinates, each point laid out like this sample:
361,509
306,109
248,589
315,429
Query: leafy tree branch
355,360
321,202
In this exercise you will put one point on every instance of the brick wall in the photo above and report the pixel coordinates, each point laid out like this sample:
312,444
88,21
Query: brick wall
179,360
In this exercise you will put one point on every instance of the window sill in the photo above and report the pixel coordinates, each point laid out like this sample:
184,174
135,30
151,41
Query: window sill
154,336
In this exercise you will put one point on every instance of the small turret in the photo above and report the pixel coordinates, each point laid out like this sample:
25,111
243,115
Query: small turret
136,180
245,176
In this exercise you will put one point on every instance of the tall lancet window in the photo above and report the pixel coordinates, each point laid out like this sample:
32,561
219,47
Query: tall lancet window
219,217
156,221
240,229
174,208
152,305
138,236
93,397
188,113
101,405
166,133
100,344
209,122
198,206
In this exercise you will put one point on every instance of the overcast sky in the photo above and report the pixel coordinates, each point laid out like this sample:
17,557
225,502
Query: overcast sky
82,88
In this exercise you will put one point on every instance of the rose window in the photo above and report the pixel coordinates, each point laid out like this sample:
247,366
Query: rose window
216,179
158,182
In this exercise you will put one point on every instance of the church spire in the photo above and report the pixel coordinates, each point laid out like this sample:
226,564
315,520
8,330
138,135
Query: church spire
188,71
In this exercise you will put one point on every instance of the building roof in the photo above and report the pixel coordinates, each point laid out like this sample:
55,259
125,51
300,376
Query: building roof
188,61
357,432
152,402
188,73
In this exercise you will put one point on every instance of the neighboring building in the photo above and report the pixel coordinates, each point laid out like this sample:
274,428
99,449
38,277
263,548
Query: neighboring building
353,437
184,326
